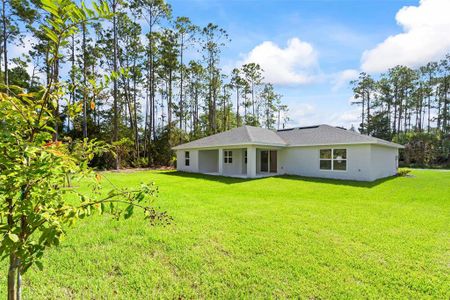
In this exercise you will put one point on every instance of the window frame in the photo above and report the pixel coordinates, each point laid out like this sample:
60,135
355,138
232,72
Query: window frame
245,156
187,158
228,156
332,159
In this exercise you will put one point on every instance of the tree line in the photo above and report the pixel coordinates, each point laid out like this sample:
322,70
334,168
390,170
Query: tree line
411,107
143,80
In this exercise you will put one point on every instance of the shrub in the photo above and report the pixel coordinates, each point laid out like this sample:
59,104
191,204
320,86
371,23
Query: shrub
403,172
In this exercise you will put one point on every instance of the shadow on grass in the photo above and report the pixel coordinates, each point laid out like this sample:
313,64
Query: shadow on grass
354,183
233,180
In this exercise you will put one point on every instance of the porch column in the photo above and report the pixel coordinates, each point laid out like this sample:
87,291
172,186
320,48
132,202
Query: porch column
251,161
220,161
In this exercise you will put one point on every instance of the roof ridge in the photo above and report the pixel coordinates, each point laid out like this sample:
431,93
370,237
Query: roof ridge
250,137
352,132
365,136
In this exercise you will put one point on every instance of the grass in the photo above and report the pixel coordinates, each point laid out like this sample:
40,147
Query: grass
280,237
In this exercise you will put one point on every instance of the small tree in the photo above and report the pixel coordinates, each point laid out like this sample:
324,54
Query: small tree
122,147
34,166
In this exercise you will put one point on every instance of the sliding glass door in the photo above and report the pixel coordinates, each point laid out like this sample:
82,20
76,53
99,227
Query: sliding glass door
264,161
273,161
268,161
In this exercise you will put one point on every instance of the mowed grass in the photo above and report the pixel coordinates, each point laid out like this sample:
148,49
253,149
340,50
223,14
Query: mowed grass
283,237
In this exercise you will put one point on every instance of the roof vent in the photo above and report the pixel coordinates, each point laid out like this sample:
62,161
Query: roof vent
299,128
308,127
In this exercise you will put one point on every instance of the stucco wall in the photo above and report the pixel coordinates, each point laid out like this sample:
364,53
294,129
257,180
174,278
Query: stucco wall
384,162
258,160
304,161
208,161
193,165
364,162
236,163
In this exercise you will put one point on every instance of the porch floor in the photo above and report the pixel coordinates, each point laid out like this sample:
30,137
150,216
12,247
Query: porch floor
258,175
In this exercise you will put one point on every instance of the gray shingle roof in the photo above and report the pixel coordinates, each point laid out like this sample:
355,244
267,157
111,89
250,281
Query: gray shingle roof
245,135
328,135
303,136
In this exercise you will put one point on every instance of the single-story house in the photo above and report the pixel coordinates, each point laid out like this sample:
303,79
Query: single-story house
315,151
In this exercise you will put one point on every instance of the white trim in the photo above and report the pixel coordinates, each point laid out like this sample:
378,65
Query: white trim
348,144
237,146
268,160
227,155
187,158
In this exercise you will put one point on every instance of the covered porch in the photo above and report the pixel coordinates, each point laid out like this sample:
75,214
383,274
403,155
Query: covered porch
249,162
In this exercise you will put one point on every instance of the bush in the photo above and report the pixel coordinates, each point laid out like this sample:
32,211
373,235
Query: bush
403,172
140,162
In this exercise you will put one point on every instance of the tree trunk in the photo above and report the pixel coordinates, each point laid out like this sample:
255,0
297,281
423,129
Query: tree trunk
253,101
72,79
237,107
368,112
12,277
146,122
19,282
181,84
116,117
169,102
5,44
362,114
56,110
136,130
85,134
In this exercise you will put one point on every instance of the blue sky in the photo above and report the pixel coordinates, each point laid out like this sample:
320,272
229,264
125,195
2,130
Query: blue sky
311,49
337,34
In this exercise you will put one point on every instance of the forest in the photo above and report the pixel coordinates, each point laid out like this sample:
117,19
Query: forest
142,80
114,84
410,107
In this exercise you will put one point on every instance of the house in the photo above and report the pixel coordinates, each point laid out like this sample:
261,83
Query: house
315,151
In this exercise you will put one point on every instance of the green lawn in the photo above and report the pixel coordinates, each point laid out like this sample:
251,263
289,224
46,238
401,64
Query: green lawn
284,237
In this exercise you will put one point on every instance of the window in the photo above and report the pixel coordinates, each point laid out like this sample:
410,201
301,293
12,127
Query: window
333,159
245,156
325,159
228,156
186,158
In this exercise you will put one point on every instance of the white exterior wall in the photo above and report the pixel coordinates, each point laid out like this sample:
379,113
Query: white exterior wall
364,162
383,161
237,159
251,161
304,161
208,161
193,164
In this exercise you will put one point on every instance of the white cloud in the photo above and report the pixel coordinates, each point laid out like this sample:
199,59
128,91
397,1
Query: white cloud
345,118
299,111
305,114
348,117
425,37
294,64
343,78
